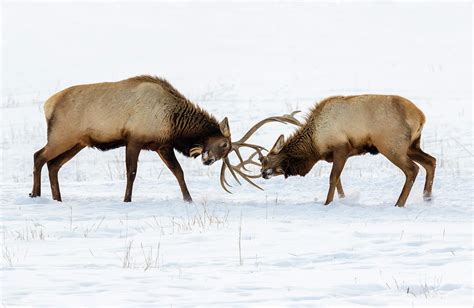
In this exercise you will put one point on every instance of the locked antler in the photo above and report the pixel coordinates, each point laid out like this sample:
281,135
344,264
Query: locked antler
240,168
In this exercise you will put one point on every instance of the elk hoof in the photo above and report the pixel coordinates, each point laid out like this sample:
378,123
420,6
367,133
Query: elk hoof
188,200
32,195
427,196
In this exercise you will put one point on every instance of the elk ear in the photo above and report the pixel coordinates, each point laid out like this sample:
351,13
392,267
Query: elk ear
224,126
278,145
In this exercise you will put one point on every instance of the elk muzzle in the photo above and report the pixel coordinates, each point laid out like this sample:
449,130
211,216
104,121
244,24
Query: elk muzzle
207,159
267,174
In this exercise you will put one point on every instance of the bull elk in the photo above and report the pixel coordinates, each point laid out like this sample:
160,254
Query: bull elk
142,112
340,127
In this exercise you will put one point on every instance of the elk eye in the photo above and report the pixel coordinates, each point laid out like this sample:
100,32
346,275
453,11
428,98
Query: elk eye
224,145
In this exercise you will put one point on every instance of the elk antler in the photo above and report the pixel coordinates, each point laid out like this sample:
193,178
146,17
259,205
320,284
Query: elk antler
240,168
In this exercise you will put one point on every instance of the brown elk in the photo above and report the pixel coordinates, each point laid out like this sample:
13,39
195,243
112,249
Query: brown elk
340,127
142,112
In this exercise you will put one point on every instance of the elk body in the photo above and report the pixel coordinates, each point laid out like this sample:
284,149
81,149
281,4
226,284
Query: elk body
340,127
143,112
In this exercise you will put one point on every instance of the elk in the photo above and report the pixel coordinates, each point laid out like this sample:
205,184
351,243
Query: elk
140,113
343,126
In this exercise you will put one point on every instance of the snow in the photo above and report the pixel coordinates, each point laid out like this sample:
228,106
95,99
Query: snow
245,61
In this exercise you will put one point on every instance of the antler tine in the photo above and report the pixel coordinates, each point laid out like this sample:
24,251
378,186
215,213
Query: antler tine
247,177
236,148
237,169
290,118
249,161
222,178
226,164
229,165
254,128
287,118
239,156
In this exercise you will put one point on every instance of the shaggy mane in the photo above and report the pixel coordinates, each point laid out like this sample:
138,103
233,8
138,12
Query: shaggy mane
300,140
192,124
174,93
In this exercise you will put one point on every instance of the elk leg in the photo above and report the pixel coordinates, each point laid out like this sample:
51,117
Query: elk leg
39,161
339,160
410,169
55,164
340,191
429,163
132,151
40,158
169,158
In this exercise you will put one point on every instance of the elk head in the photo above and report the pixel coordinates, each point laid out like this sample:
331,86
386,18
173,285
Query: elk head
215,147
240,169
273,163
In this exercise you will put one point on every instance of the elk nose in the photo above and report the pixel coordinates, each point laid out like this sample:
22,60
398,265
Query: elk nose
266,174
209,162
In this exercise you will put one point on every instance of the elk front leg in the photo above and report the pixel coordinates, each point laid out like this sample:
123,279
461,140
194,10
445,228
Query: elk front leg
340,191
131,158
169,158
339,160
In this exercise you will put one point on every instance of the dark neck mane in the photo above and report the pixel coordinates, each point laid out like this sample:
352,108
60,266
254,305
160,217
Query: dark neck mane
300,152
191,124
192,128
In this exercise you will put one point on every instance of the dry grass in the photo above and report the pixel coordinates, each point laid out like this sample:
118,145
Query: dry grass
127,257
92,228
421,289
30,232
151,258
201,220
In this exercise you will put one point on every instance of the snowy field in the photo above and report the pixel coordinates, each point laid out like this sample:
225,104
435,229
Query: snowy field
280,246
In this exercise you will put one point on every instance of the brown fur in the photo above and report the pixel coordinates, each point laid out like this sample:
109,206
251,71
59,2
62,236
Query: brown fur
142,112
340,127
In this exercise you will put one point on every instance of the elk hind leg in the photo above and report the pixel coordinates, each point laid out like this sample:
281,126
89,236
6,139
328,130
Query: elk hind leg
428,162
40,158
55,164
410,169
39,161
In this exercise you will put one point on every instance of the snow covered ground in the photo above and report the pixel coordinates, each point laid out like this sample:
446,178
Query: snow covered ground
245,61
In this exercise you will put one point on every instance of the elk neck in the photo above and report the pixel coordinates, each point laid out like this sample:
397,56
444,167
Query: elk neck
192,127
300,152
